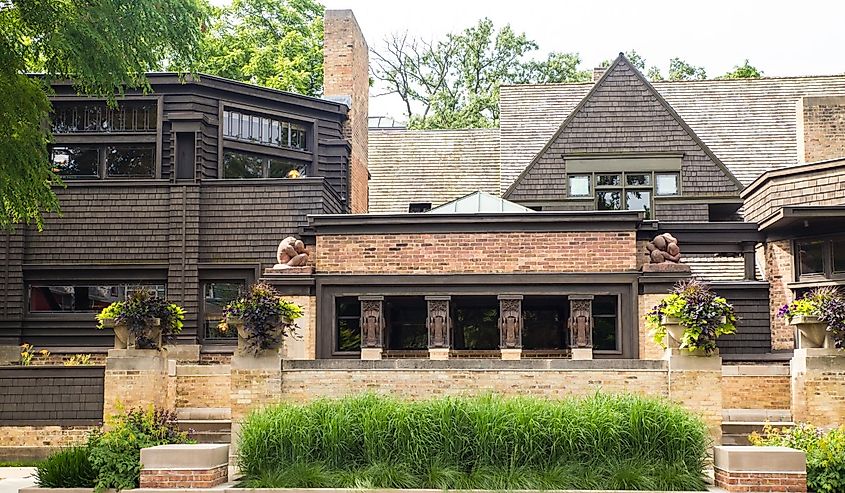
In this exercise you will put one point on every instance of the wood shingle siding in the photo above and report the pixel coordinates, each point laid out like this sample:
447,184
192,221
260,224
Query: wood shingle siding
622,115
65,396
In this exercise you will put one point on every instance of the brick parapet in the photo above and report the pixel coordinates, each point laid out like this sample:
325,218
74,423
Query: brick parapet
442,253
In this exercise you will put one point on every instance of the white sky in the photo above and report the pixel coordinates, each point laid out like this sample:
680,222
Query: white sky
781,38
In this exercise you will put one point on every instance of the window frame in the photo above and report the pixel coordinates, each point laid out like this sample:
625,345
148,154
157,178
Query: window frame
622,187
246,273
126,285
265,166
827,274
424,206
335,340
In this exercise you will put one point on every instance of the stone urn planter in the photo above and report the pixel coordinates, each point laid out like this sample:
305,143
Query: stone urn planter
123,338
676,333
244,334
813,333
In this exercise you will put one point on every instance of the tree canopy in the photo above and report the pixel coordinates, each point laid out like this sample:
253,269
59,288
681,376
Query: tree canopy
744,71
454,82
103,47
273,43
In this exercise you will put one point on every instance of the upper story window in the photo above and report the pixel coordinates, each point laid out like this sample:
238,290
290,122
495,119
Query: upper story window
245,165
419,207
91,162
97,117
820,258
633,191
264,130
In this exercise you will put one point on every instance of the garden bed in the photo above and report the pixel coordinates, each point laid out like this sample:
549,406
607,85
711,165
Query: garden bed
321,490
602,442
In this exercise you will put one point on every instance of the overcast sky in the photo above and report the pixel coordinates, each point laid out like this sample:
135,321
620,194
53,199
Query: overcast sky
782,38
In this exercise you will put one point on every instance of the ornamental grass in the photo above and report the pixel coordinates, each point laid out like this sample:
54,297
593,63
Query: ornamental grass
601,441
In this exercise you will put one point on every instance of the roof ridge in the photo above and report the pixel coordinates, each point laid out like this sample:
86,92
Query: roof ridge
695,81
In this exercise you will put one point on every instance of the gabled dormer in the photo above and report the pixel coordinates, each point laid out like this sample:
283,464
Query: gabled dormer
624,148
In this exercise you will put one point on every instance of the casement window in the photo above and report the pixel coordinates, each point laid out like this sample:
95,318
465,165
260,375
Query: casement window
633,191
264,130
475,322
97,117
822,258
405,320
82,298
91,162
347,324
216,295
605,323
240,165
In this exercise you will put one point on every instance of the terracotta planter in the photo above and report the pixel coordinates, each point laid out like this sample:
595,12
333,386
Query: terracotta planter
813,333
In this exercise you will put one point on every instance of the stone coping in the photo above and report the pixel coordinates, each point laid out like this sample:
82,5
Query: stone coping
185,456
752,459
227,488
475,364
755,370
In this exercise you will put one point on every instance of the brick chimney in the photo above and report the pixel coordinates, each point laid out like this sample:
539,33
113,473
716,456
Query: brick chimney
821,128
598,72
346,76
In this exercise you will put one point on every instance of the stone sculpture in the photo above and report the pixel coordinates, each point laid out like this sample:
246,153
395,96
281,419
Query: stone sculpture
664,248
291,253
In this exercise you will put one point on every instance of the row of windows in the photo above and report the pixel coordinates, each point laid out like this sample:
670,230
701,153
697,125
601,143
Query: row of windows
112,161
84,298
624,191
475,323
820,258
264,130
245,165
128,116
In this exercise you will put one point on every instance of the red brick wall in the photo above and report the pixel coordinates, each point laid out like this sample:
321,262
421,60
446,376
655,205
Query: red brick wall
755,482
779,267
346,73
823,128
440,253
184,478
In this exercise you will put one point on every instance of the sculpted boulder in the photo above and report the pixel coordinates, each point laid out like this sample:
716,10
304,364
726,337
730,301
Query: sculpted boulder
664,248
291,253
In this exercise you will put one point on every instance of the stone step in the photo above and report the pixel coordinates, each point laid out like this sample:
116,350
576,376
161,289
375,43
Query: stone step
207,430
203,413
757,415
746,427
735,439
210,437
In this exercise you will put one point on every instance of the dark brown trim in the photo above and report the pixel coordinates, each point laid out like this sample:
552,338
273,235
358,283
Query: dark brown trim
568,221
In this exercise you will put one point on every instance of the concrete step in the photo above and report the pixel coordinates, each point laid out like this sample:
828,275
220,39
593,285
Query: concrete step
203,413
757,415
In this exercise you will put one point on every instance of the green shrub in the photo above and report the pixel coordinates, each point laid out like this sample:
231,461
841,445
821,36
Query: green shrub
115,454
825,453
67,468
601,441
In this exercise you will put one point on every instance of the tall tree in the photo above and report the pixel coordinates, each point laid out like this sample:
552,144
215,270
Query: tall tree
103,47
273,43
454,82
744,71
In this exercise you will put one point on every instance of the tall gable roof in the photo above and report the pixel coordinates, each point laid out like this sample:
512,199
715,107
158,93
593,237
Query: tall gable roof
433,166
750,124
623,113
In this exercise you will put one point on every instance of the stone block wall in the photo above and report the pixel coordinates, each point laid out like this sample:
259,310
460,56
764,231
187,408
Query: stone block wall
202,386
818,387
138,378
821,128
689,389
756,387
428,253
303,343
779,272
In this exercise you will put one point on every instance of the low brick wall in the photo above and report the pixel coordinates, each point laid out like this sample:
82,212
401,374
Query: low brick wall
202,386
184,478
419,379
756,387
36,442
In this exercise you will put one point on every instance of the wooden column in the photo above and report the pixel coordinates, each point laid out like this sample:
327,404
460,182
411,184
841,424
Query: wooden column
581,326
750,261
372,326
510,326
439,325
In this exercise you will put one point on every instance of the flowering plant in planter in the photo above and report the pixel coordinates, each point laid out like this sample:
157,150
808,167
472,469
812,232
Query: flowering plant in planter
700,315
819,312
143,320
262,318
